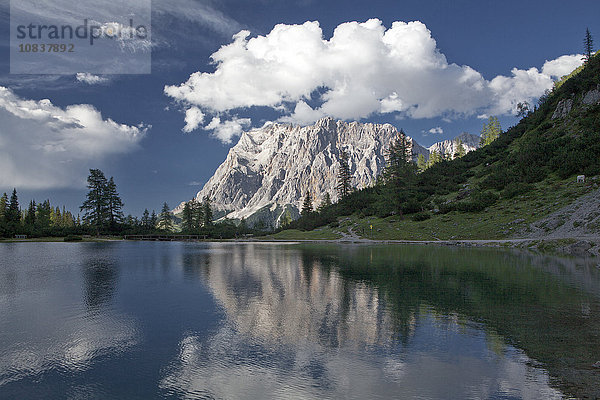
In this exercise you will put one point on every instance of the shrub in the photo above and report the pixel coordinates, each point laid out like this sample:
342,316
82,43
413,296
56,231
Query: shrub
421,216
516,188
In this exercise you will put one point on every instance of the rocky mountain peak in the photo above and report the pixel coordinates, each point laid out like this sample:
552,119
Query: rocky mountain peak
268,173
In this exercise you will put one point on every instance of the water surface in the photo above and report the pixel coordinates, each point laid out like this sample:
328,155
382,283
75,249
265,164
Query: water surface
205,320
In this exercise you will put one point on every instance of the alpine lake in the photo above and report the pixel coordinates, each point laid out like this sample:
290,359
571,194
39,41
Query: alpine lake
183,320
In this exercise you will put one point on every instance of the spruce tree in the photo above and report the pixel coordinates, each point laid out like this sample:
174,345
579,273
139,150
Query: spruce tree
490,131
165,219
13,213
434,158
398,168
68,220
344,177
95,207
421,163
398,171
153,220
307,207
43,214
30,217
3,206
146,219
460,149
55,217
588,46
187,223
197,215
206,212
114,204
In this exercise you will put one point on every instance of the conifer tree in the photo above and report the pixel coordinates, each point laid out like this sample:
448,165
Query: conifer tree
187,223
460,149
398,171
55,217
153,220
114,204
165,219
95,207
13,212
146,219
30,217
344,177
3,206
421,163
206,212
490,131
434,158
197,215
307,207
43,214
588,46
68,220
398,168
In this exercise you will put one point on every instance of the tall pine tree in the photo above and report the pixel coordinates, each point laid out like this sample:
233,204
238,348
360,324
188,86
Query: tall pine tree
165,219
95,206
153,220
588,46
197,215
307,207
207,212
43,215
490,131
398,168
113,203
146,220
30,216
187,216
344,177
3,207
460,149
13,212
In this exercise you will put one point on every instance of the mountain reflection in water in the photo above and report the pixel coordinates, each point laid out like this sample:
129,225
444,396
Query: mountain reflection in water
265,321
369,321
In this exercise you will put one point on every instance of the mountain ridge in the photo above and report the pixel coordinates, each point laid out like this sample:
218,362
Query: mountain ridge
271,169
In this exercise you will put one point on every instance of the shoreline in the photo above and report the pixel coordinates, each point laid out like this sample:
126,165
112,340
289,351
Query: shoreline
570,246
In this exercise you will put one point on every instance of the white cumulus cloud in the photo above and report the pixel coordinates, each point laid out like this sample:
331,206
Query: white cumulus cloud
45,146
90,79
227,130
563,65
363,69
193,118
437,130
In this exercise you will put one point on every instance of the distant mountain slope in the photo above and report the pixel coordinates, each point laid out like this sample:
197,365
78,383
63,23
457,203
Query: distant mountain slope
277,165
469,142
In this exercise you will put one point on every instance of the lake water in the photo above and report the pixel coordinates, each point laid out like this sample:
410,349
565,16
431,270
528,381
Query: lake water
146,320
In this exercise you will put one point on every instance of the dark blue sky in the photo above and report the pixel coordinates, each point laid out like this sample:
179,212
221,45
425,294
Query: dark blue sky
169,165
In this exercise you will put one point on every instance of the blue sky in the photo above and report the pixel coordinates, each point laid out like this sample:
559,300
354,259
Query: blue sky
132,128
